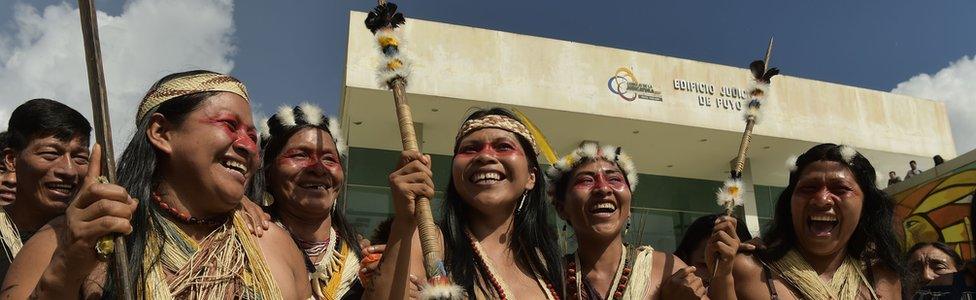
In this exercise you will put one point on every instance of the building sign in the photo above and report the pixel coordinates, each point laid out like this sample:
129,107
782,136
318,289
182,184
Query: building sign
723,97
625,85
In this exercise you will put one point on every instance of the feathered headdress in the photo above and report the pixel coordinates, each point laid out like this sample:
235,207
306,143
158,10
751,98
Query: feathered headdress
305,114
590,152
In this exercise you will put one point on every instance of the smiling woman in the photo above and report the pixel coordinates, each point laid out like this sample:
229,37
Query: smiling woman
189,163
304,174
498,241
831,235
592,190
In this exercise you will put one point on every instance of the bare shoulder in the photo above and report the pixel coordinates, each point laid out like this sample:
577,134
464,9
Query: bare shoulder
278,247
746,266
286,262
887,283
26,269
747,272
663,262
278,239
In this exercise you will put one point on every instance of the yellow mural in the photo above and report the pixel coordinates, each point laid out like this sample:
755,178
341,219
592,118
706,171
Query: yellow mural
939,210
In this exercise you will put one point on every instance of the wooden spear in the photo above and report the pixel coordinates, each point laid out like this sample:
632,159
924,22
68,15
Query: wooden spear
103,134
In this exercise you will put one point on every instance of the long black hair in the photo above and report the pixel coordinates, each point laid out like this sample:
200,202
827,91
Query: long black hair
274,143
873,240
137,173
532,229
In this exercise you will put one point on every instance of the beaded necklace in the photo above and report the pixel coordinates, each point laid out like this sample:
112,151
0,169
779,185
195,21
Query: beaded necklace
499,284
313,249
185,217
574,277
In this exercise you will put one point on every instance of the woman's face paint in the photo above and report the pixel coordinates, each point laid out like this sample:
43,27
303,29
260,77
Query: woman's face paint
597,202
244,136
490,171
214,153
307,177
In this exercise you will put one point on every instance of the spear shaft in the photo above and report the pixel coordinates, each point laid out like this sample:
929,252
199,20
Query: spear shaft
103,127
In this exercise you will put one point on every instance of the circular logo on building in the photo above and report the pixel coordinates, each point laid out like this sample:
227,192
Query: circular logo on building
618,84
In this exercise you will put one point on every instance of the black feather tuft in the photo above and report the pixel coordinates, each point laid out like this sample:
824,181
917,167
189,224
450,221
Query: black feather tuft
300,117
275,127
384,15
769,74
757,68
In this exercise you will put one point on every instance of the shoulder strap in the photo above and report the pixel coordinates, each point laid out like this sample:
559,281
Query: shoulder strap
768,276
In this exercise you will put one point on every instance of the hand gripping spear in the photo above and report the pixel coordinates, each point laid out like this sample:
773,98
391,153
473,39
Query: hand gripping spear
730,194
103,136
393,72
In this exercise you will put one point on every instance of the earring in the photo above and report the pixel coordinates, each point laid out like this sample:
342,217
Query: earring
521,202
334,202
267,199
628,226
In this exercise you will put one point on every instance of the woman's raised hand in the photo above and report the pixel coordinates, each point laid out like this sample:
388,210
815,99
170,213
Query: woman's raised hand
412,179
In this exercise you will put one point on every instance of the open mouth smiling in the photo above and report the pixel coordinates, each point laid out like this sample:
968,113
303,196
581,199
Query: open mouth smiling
486,177
822,225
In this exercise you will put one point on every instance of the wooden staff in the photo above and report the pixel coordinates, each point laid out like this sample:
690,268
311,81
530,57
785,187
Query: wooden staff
384,19
730,195
103,134
740,159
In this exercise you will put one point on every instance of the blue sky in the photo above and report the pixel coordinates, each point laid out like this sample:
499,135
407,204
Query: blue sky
289,51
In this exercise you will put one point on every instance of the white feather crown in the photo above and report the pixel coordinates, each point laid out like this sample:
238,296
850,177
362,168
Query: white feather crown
847,153
590,152
303,114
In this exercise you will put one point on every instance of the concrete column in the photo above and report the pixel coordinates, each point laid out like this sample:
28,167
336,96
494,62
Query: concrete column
749,200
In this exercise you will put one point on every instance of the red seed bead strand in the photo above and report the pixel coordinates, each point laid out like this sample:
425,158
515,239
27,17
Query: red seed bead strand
574,292
185,217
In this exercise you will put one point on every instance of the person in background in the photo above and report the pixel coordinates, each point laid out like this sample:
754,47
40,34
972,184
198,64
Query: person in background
47,150
938,160
927,261
893,178
8,179
913,171
692,247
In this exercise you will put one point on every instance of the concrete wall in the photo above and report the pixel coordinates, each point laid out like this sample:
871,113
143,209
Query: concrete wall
470,63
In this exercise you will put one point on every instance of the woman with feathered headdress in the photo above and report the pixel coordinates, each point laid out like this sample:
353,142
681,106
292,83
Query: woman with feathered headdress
592,190
304,175
831,236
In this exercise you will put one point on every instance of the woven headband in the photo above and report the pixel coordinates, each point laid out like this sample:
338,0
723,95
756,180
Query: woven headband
207,82
500,122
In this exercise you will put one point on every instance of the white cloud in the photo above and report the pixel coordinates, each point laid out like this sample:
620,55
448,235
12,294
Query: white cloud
956,86
43,55
4,116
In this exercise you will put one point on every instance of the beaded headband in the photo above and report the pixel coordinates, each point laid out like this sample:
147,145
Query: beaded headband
207,82
500,122
589,152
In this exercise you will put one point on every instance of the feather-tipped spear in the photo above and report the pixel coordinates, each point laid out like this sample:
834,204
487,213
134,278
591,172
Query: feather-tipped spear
111,246
382,22
730,194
